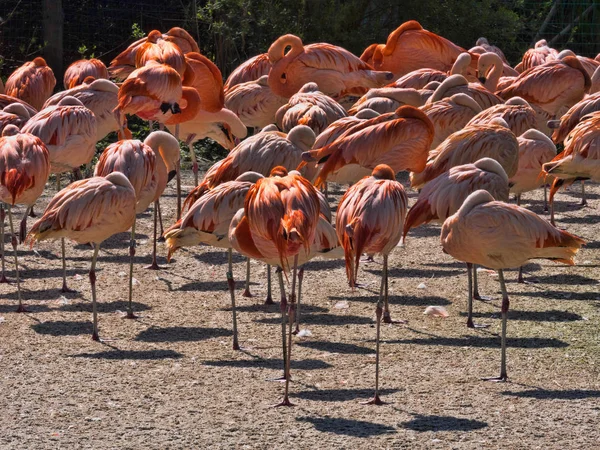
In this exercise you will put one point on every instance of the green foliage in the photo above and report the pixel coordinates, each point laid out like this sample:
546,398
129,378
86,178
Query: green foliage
137,32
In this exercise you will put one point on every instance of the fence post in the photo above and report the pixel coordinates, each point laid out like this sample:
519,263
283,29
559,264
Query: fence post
53,36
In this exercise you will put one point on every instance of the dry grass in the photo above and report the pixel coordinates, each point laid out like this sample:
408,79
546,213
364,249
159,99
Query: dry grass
171,380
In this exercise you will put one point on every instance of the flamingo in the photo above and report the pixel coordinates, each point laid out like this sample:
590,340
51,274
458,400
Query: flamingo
401,139
483,42
409,48
6,100
279,221
250,70
14,114
595,81
497,235
491,70
337,71
456,84
33,82
537,56
204,76
389,99
573,116
418,79
207,221
516,112
100,97
341,126
254,102
148,166
80,70
309,107
24,170
443,196
506,70
579,159
162,51
450,115
369,219
493,140
89,210
590,65
554,86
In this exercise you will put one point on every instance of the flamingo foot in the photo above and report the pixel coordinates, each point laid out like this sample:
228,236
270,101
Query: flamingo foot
153,266
500,379
161,239
483,298
280,379
131,315
3,279
65,289
248,294
22,309
269,300
374,401
470,324
387,318
583,203
284,402
32,213
368,259
95,336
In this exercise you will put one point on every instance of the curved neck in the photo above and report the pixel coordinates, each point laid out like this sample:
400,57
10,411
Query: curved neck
190,110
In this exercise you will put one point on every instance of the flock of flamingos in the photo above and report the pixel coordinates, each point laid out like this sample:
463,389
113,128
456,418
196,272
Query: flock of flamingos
467,126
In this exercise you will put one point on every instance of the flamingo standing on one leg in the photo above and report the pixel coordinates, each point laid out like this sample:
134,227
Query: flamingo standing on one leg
149,166
89,210
443,196
518,236
370,219
24,170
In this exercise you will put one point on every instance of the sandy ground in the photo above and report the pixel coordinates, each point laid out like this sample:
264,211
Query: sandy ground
171,380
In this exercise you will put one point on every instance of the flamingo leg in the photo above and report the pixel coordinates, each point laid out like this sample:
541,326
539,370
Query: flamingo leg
154,265
57,182
518,199
3,278
31,212
231,284
247,292
291,310
583,199
95,336
378,313
476,295
130,314
470,324
300,278
178,176
283,308
505,305
545,198
160,222
269,300
23,225
64,288
387,318
194,159
13,240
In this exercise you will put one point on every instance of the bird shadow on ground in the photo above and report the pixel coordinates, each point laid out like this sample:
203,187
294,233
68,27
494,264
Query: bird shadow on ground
558,295
483,342
31,308
545,394
337,347
427,230
409,272
104,307
202,286
218,257
534,316
131,354
181,334
573,279
587,219
442,423
269,363
347,427
262,308
324,319
42,295
339,395
63,328
592,245
324,264
406,300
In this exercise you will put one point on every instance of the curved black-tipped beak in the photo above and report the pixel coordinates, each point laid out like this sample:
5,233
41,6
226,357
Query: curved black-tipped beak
175,109
165,107
171,175
482,80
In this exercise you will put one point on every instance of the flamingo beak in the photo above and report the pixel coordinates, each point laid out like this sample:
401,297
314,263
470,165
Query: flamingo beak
171,175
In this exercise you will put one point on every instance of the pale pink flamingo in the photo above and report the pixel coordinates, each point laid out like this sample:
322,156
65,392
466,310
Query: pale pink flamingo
24,170
563,126
518,236
89,210
418,79
590,65
6,100
389,99
443,196
457,84
537,56
148,166
483,42
250,70
370,219
80,70
14,114
516,112
33,82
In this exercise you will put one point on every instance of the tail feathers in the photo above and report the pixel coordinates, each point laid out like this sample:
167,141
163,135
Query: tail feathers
560,247
419,214
354,241
418,180
331,161
16,182
195,194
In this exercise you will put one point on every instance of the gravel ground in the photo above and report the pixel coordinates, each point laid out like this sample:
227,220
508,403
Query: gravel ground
171,380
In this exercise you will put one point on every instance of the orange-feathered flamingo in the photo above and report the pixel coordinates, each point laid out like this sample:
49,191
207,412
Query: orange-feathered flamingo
573,116
418,79
500,236
389,99
369,220
14,114
250,70
506,70
490,71
554,86
409,48
535,149
207,221
457,84
80,70
309,107
595,79
204,76
6,100
443,196
579,159
89,210
122,66
24,170
450,115
254,102
162,51
337,71
33,82
341,126
278,223
483,42
537,56
516,112
590,65
149,166
100,97
400,140
493,140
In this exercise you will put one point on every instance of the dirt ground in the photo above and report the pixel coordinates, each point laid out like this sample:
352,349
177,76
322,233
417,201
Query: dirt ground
171,380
